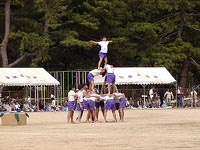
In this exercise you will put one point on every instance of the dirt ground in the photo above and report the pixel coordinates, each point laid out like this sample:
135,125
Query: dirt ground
160,129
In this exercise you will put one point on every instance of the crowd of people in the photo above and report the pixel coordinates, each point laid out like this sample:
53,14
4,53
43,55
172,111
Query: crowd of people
8,104
165,98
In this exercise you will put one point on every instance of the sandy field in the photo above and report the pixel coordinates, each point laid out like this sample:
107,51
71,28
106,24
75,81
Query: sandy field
156,129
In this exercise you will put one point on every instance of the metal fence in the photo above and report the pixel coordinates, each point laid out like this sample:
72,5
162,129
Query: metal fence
75,77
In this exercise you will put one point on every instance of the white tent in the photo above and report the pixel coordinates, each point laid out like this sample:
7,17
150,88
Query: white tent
140,76
26,77
32,77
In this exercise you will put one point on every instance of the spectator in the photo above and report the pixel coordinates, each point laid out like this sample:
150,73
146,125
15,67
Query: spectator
41,105
17,107
65,106
26,107
12,106
52,97
53,105
169,96
130,103
29,101
156,99
193,94
151,93
161,97
180,101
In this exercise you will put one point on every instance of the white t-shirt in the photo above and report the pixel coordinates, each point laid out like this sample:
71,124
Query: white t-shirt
17,106
151,93
52,96
95,72
108,97
71,95
109,68
193,94
94,96
119,95
80,95
102,98
104,46
29,99
86,98
168,95
53,103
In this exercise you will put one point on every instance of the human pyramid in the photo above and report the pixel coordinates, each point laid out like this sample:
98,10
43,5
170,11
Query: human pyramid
90,99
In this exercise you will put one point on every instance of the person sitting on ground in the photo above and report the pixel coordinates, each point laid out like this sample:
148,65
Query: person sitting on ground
26,107
17,107
131,102
53,105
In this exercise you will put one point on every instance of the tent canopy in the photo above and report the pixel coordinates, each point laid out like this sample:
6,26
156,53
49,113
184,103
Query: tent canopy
139,76
26,77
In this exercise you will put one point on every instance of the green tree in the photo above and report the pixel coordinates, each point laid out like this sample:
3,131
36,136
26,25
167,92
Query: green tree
161,33
56,34
28,34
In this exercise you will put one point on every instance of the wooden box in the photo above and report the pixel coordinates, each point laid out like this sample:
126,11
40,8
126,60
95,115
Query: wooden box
14,119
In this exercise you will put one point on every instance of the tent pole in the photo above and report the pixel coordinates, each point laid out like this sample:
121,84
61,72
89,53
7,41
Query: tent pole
1,89
68,75
35,97
72,78
85,76
144,95
38,97
30,91
176,92
63,89
58,98
44,96
176,87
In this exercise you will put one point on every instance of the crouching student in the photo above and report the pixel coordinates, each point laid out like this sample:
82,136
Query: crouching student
91,98
99,103
110,105
91,76
80,103
120,97
117,103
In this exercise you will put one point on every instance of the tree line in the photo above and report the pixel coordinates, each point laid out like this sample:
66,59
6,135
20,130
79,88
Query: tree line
55,34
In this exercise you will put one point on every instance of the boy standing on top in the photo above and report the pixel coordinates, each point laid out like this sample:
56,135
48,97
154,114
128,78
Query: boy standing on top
104,49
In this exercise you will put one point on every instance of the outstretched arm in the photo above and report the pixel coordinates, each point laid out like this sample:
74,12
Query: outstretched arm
94,42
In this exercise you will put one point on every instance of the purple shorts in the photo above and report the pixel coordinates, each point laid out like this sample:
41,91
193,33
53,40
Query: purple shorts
99,104
122,102
102,55
91,105
90,77
110,104
71,105
110,78
85,104
79,107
